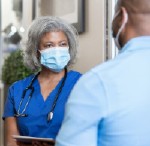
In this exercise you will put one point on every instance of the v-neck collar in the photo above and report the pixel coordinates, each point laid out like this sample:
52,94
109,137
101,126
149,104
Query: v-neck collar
51,95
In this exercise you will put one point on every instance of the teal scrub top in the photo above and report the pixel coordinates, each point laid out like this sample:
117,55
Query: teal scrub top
36,123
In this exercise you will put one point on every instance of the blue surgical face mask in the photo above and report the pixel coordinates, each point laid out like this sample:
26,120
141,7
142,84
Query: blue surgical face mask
55,58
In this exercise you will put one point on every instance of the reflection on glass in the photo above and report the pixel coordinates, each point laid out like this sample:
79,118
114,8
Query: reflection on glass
12,29
11,35
66,9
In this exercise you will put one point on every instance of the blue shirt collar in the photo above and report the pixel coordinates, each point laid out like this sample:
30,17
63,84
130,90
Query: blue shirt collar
137,43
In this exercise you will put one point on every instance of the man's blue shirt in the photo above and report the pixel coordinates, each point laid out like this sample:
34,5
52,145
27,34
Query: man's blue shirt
110,105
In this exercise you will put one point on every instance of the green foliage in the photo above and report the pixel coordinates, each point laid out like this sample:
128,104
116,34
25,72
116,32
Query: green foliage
14,69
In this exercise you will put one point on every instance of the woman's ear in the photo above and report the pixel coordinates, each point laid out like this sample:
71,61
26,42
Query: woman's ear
38,54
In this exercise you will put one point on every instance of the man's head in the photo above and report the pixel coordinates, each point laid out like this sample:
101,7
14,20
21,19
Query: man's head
133,17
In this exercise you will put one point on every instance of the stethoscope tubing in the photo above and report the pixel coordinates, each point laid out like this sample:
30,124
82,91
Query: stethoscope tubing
30,87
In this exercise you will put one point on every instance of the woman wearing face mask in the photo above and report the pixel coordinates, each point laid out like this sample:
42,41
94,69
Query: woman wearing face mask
35,105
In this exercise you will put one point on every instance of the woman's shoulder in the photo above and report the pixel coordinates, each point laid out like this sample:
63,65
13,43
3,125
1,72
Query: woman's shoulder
73,76
23,82
73,73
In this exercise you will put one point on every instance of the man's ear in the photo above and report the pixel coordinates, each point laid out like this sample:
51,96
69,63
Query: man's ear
121,17
124,14
116,23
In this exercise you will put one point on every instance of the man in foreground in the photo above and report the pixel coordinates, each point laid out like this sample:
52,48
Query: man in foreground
110,104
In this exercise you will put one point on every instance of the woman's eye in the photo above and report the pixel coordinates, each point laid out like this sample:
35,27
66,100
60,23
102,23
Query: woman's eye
64,44
48,46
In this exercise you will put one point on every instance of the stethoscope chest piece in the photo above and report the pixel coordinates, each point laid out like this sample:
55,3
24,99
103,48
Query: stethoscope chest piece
50,116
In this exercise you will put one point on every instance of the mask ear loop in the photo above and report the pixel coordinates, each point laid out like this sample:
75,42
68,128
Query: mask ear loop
120,29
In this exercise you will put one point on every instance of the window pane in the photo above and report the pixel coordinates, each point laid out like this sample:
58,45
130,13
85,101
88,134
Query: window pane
111,50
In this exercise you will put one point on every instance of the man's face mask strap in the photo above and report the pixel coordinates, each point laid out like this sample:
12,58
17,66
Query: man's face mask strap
116,39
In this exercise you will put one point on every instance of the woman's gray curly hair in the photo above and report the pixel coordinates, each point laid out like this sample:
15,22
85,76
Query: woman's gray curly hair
40,27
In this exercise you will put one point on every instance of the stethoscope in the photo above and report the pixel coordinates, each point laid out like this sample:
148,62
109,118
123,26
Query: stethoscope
20,113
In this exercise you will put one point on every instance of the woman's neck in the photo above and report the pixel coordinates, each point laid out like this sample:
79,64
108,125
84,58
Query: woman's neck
51,75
